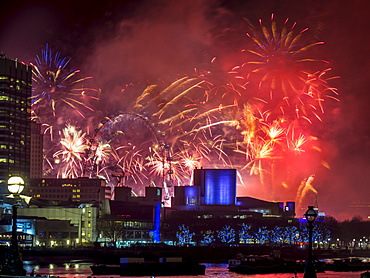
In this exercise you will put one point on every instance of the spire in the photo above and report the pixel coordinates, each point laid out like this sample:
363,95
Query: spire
316,205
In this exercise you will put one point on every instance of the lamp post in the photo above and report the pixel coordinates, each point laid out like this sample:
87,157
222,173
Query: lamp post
310,271
14,263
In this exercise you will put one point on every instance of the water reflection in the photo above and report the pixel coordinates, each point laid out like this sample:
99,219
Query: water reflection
82,269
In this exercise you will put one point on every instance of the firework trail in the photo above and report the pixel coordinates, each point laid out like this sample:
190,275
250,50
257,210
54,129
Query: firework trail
280,93
73,145
258,120
55,86
123,135
172,130
290,84
59,95
304,188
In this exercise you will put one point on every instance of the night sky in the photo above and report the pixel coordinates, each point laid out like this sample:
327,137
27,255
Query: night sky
118,42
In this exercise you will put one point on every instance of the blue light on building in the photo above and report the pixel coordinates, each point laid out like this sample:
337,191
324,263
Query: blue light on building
157,223
218,186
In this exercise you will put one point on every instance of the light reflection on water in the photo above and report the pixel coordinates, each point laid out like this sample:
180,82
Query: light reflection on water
82,270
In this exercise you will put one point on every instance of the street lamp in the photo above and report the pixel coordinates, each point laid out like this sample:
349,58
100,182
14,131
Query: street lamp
14,263
310,271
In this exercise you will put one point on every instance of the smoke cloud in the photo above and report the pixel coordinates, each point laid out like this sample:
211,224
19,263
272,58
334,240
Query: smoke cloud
127,45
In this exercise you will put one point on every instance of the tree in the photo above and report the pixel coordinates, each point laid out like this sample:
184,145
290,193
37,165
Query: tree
244,235
227,234
262,235
184,236
111,229
208,238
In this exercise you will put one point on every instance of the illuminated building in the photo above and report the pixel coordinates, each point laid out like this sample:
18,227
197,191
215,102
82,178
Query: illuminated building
211,203
38,231
83,218
217,186
15,124
215,190
80,190
36,166
132,219
92,212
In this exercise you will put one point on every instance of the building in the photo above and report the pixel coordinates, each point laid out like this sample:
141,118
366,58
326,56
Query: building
211,204
86,204
35,231
15,124
130,219
217,186
82,218
37,141
80,190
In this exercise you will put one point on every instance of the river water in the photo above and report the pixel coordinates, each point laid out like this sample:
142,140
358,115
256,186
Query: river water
82,270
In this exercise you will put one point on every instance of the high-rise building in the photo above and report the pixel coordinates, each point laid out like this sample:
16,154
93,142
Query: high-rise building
36,151
80,190
15,123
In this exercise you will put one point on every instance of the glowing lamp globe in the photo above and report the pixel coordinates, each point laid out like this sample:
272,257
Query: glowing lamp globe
310,214
15,185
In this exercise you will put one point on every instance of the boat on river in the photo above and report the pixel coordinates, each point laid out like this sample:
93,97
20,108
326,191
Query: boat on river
170,266
253,264
348,264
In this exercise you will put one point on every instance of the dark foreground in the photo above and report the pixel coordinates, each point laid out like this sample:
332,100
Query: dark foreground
204,255
198,254
82,270
150,269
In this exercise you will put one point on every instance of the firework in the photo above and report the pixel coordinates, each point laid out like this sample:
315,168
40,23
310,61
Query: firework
73,145
289,83
58,93
304,188
259,122
56,86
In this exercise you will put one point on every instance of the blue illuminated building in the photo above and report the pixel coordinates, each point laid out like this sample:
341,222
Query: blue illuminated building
217,186
215,189
212,187
211,203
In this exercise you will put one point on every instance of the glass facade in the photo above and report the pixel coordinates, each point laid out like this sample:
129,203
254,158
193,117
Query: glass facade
15,123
